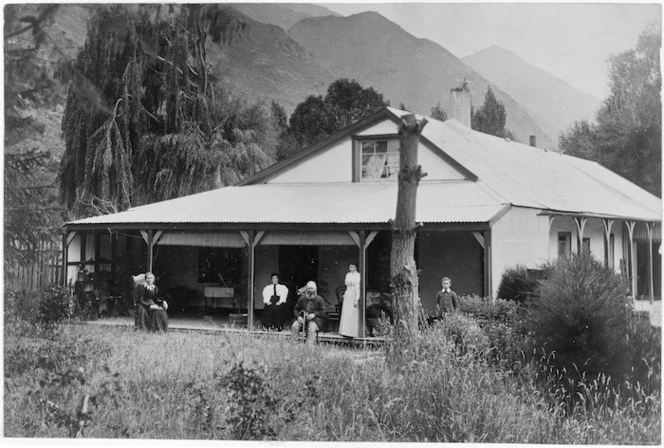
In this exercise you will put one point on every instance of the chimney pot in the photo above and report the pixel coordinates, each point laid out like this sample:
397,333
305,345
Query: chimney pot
460,99
533,140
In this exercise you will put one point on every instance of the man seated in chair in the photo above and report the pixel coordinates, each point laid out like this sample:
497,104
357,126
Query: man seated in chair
309,311
151,309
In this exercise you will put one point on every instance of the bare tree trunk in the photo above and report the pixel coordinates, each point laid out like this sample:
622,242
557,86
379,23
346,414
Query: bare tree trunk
403,271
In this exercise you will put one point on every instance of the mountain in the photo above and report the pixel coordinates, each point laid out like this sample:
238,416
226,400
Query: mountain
417,72
553,102
265,64
283,15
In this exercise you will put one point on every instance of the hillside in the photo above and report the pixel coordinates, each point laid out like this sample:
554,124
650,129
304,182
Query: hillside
266,64
554,100
416,72
283,15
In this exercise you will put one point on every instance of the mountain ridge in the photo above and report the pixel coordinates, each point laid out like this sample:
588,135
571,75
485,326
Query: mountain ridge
406,69
554,100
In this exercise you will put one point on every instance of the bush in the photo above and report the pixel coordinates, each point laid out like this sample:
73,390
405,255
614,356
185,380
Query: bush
517,285
55,306
503,323
43,309
581,317
466,334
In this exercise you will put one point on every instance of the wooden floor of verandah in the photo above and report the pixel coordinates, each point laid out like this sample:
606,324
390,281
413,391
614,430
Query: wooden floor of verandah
220,323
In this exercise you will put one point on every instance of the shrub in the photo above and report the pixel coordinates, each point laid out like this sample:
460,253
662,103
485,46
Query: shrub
581,315
43,309
251,404
503,323
21,310
55,306
517,285
466,334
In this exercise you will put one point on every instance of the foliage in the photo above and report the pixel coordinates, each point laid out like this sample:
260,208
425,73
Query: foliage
56,305
31,218
438,113
40,311
502,321
581,316
251,404
145,119
491,117
345,102
626,136
322,393
466,334
517,285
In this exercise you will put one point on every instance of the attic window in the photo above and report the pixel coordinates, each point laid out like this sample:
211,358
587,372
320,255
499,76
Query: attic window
379,160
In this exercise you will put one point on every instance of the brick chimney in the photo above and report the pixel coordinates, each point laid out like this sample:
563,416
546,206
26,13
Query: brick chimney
533,140
460,100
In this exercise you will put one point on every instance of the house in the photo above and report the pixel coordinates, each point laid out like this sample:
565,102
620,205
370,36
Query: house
486,204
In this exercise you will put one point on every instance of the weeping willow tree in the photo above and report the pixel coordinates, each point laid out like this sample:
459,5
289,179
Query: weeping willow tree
145,119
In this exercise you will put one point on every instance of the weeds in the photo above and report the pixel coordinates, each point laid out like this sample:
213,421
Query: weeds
192,385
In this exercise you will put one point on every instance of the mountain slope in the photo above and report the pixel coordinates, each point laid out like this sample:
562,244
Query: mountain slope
416,72
266,64
283,15
555,101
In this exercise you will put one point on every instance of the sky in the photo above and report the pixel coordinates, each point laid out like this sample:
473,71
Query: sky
572,41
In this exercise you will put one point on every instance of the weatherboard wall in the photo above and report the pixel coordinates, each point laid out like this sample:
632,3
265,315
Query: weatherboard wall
334,163
518,238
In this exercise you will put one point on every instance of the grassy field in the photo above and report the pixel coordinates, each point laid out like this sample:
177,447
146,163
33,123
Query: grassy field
202,386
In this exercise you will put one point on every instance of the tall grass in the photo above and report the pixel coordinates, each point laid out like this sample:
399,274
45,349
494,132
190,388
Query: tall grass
235,386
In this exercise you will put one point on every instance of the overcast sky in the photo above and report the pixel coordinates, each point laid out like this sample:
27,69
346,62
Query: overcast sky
570,41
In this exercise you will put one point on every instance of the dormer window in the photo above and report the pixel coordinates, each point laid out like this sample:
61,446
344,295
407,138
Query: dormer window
380,159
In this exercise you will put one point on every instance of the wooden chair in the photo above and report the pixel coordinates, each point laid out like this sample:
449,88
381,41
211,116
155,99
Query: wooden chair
137,281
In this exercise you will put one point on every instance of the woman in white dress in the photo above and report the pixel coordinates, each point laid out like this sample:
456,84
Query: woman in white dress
349,323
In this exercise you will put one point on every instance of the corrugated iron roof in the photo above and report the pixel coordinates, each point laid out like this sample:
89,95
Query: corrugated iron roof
437,202
508,172
533,177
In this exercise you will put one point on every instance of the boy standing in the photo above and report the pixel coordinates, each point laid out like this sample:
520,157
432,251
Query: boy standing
446,299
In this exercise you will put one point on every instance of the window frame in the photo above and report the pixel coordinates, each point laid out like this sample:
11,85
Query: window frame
357,155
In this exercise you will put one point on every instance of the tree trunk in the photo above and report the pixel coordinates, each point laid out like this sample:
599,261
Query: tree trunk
403,271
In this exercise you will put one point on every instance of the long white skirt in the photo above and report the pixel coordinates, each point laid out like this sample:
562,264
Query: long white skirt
349,322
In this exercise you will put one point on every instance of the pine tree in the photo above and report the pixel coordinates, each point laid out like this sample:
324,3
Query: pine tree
438,113
31,215
491,117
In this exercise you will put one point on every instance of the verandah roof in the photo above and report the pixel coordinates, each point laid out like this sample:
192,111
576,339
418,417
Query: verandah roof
437,202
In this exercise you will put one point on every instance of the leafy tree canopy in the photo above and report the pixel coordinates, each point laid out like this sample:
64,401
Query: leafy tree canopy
145,119
491,117
626,136
316,117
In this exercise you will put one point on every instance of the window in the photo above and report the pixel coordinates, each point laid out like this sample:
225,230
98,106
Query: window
380,159
564,244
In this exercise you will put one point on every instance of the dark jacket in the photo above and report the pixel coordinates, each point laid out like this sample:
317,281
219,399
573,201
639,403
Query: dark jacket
147,297
446,301
316,305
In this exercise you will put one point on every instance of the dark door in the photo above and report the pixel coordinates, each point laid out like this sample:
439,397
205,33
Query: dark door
298,264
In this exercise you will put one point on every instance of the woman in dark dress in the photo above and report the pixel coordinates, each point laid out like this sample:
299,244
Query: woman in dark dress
151,309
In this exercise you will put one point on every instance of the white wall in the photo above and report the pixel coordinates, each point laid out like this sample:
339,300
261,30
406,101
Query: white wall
594,230
335,163
332,164
519,237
